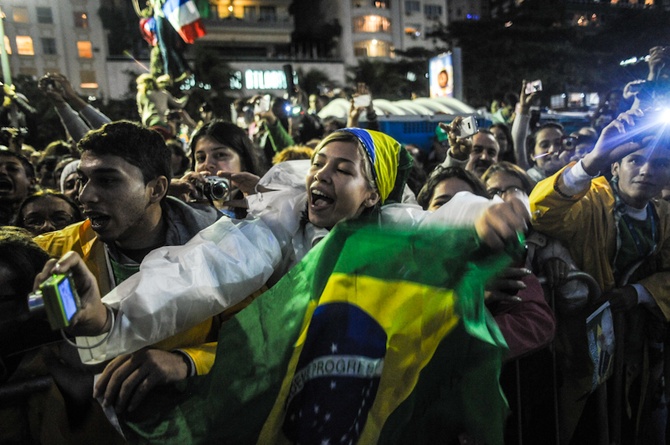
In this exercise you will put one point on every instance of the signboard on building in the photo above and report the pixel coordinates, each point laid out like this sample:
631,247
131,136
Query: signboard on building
258,80
441,76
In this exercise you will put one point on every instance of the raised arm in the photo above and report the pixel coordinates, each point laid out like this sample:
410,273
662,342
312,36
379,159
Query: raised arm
520,127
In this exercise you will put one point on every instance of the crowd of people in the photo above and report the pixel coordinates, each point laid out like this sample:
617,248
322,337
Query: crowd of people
180,223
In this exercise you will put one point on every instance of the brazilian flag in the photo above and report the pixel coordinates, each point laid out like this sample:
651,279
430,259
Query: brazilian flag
378,336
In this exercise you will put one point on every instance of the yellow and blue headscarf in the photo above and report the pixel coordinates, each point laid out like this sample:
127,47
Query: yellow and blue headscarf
390,161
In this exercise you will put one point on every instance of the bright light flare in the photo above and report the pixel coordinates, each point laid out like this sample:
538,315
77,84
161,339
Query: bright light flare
664,116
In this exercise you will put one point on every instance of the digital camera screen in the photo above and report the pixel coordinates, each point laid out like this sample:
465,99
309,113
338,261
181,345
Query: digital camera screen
67,298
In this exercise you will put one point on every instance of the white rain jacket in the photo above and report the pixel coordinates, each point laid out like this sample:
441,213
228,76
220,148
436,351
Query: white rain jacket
180,286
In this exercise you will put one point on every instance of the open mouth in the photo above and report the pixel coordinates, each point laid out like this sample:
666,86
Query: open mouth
320,200
98,220
6,185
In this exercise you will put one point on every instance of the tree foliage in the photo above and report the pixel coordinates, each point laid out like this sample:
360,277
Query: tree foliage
122,27
535,42
392,80
314,81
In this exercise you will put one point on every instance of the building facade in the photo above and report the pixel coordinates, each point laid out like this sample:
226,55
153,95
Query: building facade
377,28
256,37
248,29
65,37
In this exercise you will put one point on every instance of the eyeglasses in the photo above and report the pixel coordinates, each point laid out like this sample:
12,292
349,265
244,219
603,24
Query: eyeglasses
59,220
500,192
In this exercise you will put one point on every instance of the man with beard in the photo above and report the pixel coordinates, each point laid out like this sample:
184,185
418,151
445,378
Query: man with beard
17,181
475,154
124,174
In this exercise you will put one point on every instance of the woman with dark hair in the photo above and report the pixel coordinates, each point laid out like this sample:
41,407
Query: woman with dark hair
547,151
507,168
444,182
229,136
220,149
47,211
503,135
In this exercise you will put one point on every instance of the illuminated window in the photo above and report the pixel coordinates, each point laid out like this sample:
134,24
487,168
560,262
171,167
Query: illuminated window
24,46
20,15
85,49
80,20
44,15
49,46
379,4
8,46
372,48
88,79
372,23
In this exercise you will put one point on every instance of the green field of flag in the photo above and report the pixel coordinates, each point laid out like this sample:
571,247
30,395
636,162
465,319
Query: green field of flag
377,336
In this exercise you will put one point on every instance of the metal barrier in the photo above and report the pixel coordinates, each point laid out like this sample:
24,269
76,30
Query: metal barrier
594,293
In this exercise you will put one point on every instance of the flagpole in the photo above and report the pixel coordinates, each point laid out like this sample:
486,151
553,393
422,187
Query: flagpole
4,59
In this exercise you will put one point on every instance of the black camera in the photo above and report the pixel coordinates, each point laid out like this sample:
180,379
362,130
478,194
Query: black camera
49,84
215,188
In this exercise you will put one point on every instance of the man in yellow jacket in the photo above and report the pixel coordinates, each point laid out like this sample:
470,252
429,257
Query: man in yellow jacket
124,176
618,233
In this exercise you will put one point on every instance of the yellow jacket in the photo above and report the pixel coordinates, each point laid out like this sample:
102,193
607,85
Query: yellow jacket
586,226
81,238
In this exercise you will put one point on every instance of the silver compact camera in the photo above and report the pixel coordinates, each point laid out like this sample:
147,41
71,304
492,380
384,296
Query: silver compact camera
215,188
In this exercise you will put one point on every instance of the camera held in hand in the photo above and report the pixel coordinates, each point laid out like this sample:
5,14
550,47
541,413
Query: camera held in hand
215,188
49,84
58,297
653,123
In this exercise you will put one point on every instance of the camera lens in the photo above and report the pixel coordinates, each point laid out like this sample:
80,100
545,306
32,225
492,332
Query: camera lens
217,188
219,191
